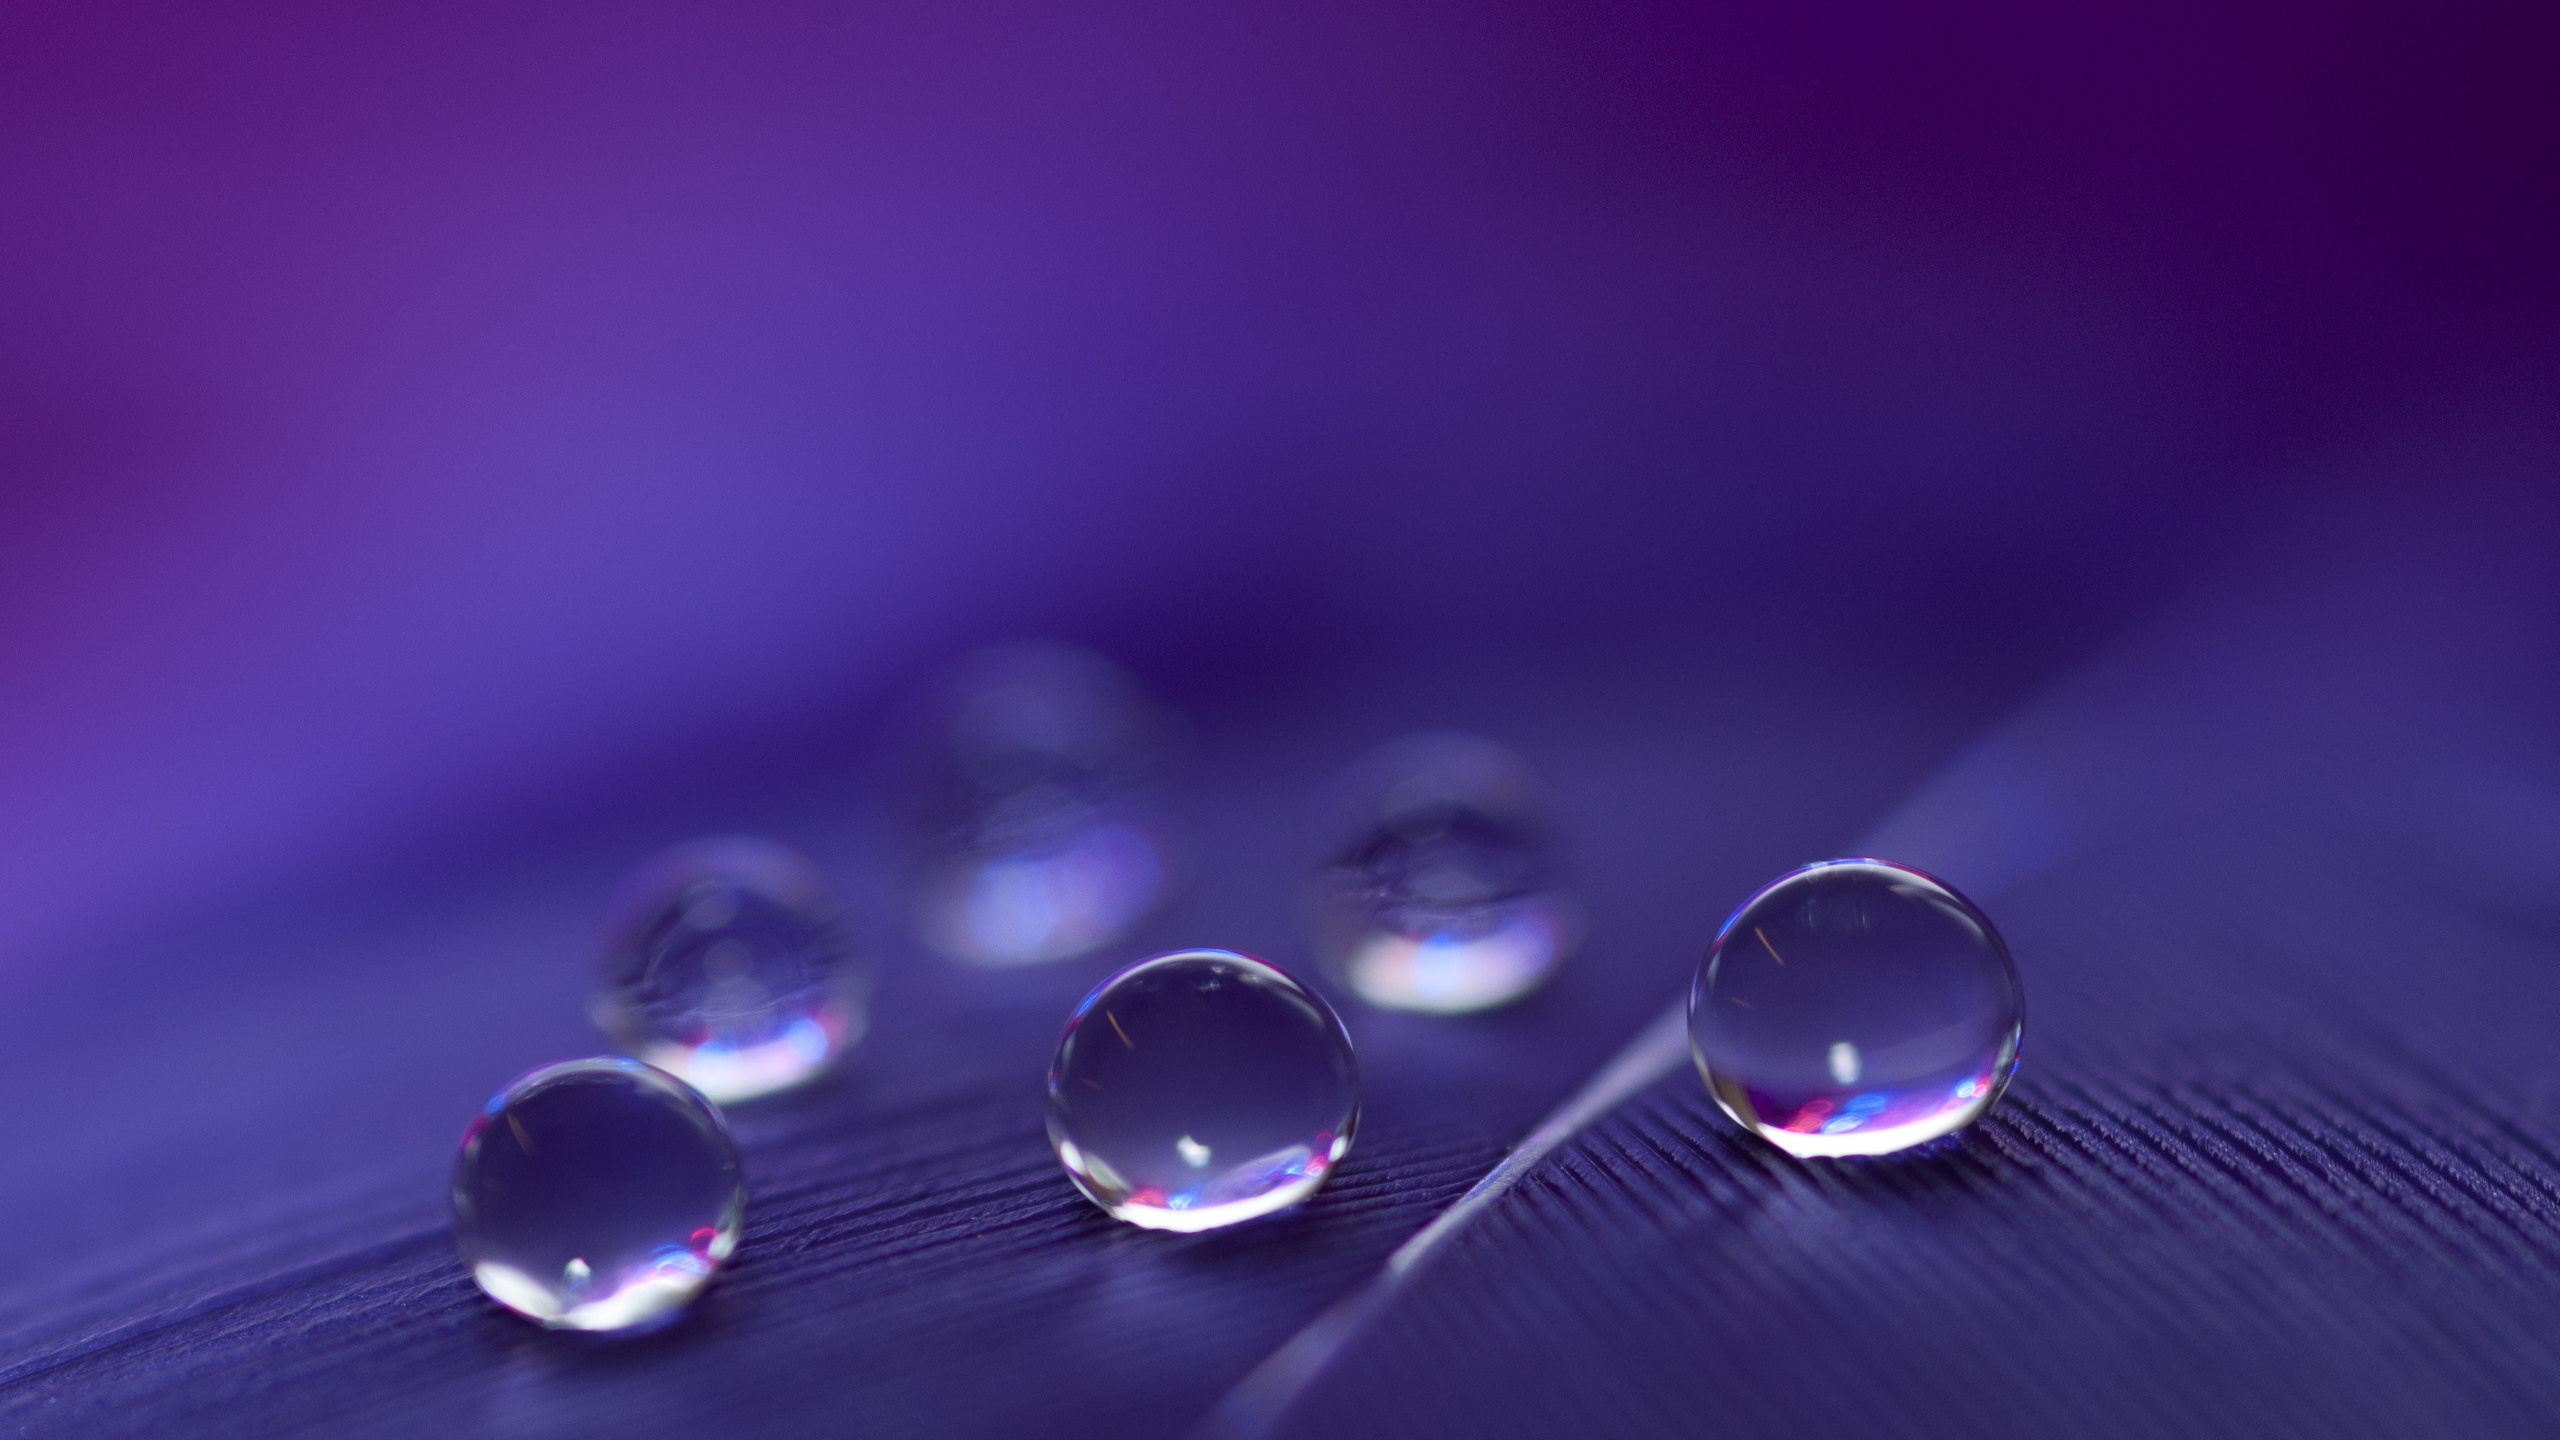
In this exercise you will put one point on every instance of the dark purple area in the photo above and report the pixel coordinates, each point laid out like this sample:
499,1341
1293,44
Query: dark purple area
448,453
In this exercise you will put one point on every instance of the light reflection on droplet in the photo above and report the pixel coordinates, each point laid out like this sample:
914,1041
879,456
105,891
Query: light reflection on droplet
1844,1063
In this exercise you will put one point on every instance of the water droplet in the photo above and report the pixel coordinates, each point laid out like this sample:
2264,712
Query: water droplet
596,1195
725,967
1856,1007
1033,827
1201,1088
1443,893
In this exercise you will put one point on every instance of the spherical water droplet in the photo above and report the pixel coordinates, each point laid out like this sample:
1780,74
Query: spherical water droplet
1443,895
596,1195
726,968
1033,829
1856,1007
1201,1088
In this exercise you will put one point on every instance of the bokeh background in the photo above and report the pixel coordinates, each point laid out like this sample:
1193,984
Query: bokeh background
447,452
414,415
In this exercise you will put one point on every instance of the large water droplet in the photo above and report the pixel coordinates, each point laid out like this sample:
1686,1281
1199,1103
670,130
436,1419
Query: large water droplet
1856,1007
597,1195
1202,1088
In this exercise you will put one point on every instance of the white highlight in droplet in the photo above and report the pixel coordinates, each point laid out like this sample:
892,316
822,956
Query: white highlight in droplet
1844,1063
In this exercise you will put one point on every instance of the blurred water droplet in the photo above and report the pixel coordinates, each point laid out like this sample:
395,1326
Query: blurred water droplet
1443,891
1033,827
726,966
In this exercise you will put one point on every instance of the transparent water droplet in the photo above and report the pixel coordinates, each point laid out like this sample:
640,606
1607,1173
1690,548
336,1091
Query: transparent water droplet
1199,1089
1033,827
725,966
1443,892
597,1195
1856,1007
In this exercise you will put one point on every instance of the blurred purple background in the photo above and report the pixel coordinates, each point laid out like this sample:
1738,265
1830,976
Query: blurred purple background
422,423
447,453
